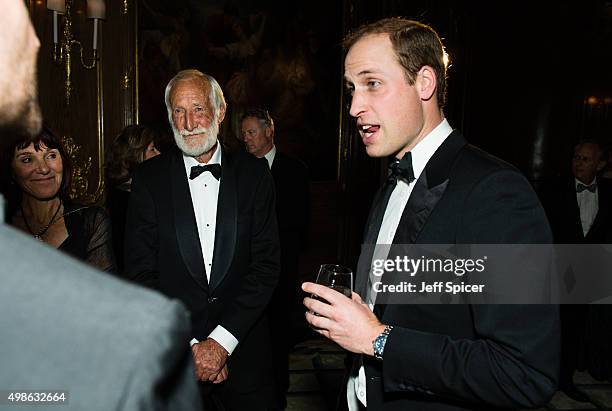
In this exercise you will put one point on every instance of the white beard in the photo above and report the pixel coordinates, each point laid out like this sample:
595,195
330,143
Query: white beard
203,145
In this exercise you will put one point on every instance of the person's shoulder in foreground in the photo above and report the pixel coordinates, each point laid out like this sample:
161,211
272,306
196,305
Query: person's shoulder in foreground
107,344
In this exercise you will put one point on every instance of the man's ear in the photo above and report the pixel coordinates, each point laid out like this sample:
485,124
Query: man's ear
268,132
221,114
426,83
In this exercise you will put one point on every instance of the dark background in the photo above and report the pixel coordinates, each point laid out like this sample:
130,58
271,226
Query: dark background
528,79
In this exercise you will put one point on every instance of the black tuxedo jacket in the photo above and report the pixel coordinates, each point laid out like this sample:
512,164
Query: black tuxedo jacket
564,214
163,251
460,357
293,212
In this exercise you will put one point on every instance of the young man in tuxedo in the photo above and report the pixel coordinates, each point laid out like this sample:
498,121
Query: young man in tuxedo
92,341
293,212
444,191
201,227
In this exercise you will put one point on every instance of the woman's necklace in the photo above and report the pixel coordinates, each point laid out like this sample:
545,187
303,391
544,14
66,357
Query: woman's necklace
42,232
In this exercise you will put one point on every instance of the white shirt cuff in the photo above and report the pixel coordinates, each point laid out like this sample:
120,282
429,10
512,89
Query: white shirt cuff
225,338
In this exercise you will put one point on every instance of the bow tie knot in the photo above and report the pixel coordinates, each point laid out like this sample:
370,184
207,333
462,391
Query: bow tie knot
214,169
581,187
401,169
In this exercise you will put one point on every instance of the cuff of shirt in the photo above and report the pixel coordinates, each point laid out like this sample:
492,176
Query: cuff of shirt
225,338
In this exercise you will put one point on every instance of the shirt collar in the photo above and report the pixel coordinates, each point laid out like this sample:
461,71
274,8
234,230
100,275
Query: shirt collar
191,161
270,155
425,149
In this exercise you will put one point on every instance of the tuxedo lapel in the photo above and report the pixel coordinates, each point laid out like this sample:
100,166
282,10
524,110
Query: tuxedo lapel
422,201
185,223
574,210
428,189
601,218
227,216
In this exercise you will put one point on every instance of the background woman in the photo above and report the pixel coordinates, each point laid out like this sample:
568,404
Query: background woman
36,180
134,145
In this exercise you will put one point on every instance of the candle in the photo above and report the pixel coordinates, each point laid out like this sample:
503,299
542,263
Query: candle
54,27
95,40
96,9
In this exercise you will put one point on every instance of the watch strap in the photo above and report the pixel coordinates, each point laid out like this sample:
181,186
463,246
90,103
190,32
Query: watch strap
379,342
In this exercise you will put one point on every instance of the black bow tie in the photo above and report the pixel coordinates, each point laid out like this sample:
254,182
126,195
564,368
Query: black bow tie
581,187
214,169
401,169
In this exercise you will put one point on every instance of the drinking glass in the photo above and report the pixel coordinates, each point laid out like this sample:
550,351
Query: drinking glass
337,278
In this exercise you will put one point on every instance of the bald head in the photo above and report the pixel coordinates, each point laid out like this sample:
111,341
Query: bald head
19,45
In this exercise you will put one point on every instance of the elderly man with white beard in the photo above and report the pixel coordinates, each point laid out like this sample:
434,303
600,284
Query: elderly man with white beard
201,227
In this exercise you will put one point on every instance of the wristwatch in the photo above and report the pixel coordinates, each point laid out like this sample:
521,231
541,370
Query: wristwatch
379,342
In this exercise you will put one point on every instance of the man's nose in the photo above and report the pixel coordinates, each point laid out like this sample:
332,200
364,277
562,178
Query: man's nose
190,122
357,106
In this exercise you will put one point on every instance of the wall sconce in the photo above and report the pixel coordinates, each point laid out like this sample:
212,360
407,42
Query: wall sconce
62,48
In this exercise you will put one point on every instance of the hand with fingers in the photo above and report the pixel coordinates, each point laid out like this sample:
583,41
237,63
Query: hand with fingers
210,361
348,322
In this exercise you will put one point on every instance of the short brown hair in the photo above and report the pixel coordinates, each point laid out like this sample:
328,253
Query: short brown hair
415,45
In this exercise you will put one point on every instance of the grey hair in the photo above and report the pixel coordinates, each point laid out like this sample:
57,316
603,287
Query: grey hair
216,94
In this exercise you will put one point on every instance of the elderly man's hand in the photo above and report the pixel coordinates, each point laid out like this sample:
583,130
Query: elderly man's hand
347,322
210,358
222,376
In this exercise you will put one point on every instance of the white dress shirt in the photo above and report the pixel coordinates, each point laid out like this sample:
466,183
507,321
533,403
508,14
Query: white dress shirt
270,155
204,191
421,153
588,203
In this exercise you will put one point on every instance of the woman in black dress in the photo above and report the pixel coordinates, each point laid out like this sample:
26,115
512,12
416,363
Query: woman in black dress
36,179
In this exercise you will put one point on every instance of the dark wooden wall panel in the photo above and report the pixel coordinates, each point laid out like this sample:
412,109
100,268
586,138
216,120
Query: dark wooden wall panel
102,101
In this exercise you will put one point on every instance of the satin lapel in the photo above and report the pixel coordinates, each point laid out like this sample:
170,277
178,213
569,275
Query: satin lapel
422,201
185,223
227,216
428,189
